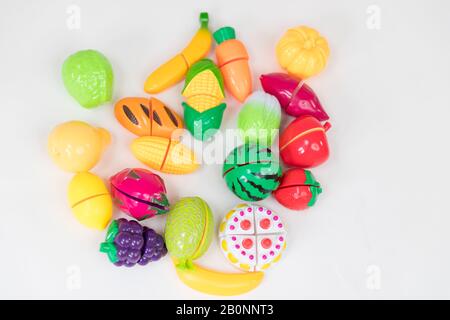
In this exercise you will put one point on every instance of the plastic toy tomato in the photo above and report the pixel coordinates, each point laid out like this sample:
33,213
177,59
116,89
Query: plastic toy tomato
304,143
298,189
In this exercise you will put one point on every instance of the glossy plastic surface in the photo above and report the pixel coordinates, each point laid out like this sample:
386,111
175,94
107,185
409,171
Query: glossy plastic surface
148,117
127,243
203,125
175,69
298,189
252,237
164,155
232,59
304,143
259,119
295,97
302,52
76,146
251,172
90,200
139,193
189,230
88,77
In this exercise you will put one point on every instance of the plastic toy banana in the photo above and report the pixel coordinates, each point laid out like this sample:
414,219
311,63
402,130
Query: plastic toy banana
175,69
219,283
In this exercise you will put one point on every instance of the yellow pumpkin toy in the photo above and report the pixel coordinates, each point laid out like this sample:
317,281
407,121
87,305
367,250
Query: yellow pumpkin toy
302,52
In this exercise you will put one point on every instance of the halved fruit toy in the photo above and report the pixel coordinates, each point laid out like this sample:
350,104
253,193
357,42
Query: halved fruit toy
139,193
128,243
298,189
252,237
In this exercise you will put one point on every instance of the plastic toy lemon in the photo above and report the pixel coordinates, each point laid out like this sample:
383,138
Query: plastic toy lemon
90,200
76,146
189,230
302,52
88,76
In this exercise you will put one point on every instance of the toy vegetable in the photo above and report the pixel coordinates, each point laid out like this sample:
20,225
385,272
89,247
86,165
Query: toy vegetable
189,229
251,172
304,143
252,237
298,189
139,193
232,58
295,97
88,77
128,243
164,155
174,70
259,118
302,52
148,117
204,93
76,146
90,200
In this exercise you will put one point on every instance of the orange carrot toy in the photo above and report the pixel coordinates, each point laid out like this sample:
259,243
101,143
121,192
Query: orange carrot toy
232,59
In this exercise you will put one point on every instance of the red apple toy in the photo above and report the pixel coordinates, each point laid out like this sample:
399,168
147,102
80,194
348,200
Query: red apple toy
304,143
298,189
295,97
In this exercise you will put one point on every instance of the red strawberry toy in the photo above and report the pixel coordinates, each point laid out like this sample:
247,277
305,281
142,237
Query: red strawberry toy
298,189
304,143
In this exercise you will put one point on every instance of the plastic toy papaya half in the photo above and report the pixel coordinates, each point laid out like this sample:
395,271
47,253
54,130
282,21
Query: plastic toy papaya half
259,118
232,59
174,70
139,193
88,77
90,200
148,117
165,155
189,230
302,52
76,146
295,97
204,92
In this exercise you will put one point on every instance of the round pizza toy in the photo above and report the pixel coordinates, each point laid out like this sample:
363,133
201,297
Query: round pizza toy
252,237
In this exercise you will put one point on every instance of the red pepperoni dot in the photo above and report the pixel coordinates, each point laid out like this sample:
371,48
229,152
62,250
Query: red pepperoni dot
231,227
266,243
235,219
233,238
265,223
264,257
272,253
243,253
247,243
249,209
277,246
260,209
269,212
237,246
241,213
246,224
251,257
275,218
281,238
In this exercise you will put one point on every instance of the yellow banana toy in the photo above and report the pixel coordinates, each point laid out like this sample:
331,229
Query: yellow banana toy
219,283
174,70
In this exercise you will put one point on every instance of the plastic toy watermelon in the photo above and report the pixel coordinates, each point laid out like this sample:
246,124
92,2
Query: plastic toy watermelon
251,172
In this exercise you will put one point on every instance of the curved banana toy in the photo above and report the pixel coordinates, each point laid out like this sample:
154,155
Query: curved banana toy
175,69
219,283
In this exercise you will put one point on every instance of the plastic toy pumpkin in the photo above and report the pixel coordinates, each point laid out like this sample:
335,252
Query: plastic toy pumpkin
302,52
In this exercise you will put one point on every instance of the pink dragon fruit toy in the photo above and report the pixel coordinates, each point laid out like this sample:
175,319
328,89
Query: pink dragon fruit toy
139,193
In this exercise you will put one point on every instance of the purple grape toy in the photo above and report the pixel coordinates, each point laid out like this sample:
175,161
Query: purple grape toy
128,243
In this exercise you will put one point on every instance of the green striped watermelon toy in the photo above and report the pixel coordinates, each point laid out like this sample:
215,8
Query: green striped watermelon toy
252,172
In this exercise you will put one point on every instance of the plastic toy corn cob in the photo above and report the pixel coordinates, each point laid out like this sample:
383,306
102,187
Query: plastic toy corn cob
165,155
204,92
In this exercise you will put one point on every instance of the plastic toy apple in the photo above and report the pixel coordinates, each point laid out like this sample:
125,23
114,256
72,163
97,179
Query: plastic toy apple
304,143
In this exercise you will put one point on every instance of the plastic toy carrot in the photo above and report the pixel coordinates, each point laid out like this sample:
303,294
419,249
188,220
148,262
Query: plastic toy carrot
232,58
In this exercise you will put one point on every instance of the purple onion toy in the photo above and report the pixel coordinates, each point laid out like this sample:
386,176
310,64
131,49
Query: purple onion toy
128,243
295,97
139,193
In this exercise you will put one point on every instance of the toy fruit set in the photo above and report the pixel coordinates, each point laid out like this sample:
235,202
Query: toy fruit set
252,237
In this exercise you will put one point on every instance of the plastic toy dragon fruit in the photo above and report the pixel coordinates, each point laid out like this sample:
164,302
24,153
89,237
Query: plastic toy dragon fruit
128,243
139,193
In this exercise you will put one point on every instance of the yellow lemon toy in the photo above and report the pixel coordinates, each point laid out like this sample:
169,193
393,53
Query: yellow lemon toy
302,52
76,146
90,200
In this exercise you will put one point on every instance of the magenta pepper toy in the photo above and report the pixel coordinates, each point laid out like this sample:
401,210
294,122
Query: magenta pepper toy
140,193
295,97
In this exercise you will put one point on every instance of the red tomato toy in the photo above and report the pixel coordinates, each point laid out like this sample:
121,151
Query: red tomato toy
304,143
298,189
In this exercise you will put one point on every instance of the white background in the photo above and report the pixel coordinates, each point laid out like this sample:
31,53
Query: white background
381,227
